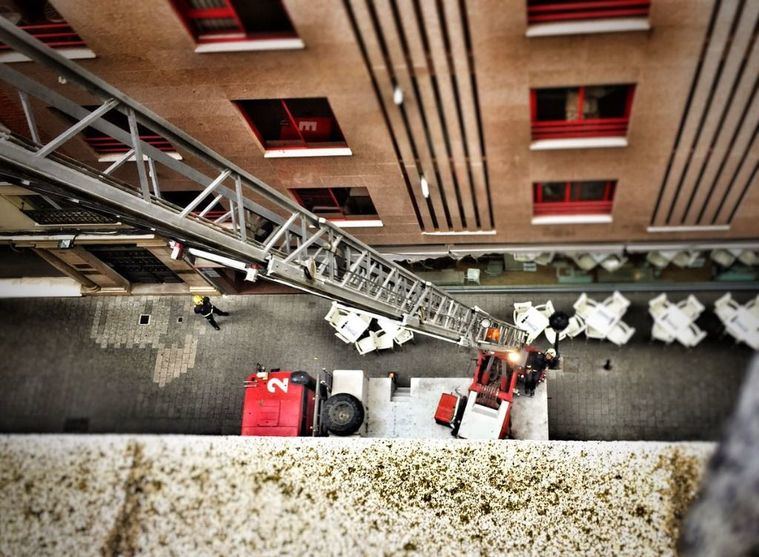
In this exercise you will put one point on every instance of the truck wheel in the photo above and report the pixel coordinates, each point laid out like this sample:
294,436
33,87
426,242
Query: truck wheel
343,414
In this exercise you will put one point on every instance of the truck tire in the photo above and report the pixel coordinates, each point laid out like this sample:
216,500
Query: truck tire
343,414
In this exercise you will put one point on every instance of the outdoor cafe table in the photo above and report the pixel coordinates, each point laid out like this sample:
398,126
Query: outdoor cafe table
677,323
532,321
354,327
744,325
602,319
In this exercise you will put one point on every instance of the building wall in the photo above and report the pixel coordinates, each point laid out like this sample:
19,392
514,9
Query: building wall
144,49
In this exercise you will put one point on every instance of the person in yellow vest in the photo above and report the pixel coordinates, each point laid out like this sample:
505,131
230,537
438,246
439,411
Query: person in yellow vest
204,307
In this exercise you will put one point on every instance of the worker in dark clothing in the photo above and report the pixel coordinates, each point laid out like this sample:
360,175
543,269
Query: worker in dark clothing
204,307
535,368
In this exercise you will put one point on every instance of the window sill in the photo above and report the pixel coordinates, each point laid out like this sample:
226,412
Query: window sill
70,53
113,157
356,223
250,45
578,143
572,219
315,152
461,233
611,25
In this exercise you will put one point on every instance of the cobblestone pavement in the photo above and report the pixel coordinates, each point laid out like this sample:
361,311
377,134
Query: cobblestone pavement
89,365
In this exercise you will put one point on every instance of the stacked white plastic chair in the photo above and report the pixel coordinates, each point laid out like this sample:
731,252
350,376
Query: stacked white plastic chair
613,262
607,317
676,321
686,259
352,326
656,307
749,258
724,257
741,322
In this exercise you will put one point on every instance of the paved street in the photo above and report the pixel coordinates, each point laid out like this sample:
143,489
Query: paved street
89,365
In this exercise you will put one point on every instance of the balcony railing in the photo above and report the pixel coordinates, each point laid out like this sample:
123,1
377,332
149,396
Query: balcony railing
550,12
567,129
54,35
572,208
67,216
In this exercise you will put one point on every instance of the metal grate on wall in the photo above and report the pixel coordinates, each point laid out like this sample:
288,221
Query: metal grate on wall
419,56
715,155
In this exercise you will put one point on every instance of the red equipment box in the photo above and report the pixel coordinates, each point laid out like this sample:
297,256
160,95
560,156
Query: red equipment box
277,406
446,409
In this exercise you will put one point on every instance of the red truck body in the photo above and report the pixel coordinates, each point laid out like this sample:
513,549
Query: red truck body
276,406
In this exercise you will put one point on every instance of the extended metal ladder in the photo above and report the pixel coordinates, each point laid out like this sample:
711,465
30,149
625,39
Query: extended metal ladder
302,250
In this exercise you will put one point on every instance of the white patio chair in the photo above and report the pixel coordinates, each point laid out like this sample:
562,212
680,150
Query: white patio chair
526,256
584,305
656,306
403,336
367,344
753,305
722,257
613,263
551,335
685,259
725,307
691,307
384,341
545,258
660,333
620,333
617,303
658,259
749,258
336,316
520,308
590,332
698,335
576,326
546,309
585,261
693,336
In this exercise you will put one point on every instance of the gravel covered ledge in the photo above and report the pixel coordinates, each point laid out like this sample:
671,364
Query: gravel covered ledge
155,495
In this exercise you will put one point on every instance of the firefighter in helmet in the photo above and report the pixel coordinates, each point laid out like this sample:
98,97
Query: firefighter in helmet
204,307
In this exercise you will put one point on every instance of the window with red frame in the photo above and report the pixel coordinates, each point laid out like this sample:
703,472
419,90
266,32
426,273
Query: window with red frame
105,145
293,123
40,19
581,112
336,202
553,11
211,21
573,198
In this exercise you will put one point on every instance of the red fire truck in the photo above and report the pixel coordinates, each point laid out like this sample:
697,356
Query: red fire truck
293,403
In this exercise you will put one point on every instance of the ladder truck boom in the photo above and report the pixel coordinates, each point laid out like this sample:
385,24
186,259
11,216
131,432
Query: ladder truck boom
303,250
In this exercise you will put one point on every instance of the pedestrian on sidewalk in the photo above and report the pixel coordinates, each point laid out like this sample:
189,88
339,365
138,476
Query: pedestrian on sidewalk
204,307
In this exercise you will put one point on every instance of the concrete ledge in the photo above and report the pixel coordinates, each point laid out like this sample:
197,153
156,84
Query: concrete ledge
83,495
39,287
572,219
75,53
578,143
611,25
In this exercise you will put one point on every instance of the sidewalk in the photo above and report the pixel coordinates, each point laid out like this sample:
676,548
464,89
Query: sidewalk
88,365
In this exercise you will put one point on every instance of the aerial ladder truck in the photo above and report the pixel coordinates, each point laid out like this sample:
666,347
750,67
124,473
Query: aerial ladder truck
303,251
